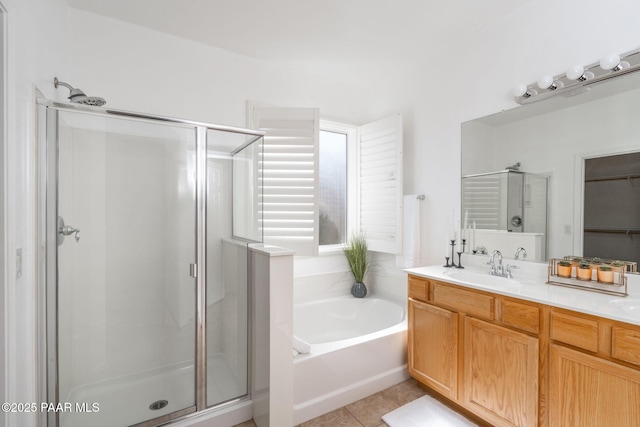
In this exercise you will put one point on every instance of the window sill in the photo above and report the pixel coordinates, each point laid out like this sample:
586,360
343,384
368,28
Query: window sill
330,250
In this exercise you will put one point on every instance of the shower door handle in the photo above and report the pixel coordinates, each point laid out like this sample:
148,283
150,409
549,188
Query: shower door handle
66,230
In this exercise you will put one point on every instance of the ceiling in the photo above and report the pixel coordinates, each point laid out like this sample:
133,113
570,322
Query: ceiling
355,41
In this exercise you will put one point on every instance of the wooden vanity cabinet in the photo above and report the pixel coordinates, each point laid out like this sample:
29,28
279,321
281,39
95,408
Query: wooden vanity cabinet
477,349
500,374
433,357
589,391
517,363
594,376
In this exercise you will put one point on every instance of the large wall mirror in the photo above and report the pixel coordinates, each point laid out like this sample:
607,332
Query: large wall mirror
584,143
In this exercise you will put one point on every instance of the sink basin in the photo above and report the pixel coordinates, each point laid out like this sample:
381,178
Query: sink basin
481,279
628,305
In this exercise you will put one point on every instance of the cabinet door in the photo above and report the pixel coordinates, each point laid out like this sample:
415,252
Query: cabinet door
587,391
500,374
433,347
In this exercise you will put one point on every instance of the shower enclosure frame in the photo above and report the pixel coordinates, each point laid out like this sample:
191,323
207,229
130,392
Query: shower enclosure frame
47,232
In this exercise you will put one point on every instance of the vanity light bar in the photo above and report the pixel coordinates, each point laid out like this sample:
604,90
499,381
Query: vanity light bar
577,77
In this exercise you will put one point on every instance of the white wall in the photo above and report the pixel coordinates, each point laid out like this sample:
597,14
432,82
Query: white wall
329,276
3,144
138,69
478,75
36,53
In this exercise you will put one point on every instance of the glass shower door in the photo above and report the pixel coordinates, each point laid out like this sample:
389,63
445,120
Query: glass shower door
126,292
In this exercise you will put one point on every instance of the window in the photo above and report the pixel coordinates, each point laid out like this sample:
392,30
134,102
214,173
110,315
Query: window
336,183
304,190
332,187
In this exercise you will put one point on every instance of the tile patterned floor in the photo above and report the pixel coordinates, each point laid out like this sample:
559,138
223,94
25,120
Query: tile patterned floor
367,412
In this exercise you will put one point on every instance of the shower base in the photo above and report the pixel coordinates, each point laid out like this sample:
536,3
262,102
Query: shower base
126,400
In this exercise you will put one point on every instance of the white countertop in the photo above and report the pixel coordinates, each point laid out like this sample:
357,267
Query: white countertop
529,284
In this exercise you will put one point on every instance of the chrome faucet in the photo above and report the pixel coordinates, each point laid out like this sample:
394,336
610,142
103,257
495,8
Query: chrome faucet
499,270
495,268
519,251
480,250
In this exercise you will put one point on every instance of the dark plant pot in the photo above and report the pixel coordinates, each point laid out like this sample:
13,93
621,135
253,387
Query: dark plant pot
359,290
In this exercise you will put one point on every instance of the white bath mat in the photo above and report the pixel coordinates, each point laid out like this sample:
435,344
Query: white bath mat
426,412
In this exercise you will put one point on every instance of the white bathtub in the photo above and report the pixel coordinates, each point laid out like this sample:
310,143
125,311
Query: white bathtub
358,347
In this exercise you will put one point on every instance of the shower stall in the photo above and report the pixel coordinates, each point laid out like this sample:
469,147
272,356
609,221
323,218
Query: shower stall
145,228
507,201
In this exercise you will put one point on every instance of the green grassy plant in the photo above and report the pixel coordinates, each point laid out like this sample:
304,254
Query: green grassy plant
356,253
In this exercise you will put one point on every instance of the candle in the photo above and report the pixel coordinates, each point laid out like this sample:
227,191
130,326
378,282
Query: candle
473,237
452,232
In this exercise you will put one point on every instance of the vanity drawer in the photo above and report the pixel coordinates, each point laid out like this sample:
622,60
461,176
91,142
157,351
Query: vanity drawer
625,344
469,302
573,330
520,316
418,288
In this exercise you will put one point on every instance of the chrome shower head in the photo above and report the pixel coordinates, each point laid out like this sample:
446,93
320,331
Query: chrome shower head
78,96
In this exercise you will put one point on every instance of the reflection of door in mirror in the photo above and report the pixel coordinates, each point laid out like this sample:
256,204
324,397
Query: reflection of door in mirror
612,207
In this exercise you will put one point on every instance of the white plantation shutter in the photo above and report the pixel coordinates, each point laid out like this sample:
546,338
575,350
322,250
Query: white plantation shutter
482,200
380,184
289,176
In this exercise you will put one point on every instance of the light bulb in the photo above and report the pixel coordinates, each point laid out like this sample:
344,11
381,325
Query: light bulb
575,72
521,90
546,82
610,62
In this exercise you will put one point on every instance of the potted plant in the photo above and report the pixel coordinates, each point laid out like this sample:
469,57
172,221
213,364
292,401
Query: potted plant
575,260
595,263
356,254
563,268
618,266
605,274
584,271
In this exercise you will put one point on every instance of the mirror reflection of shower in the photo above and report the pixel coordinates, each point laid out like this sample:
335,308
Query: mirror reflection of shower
78,96
506,210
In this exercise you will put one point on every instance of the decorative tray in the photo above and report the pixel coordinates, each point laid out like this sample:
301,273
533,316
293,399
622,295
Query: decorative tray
591,274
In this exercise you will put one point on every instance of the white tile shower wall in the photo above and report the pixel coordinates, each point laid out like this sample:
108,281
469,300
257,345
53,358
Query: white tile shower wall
117,298
218,228
179,230
218,224
235,308
82,279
